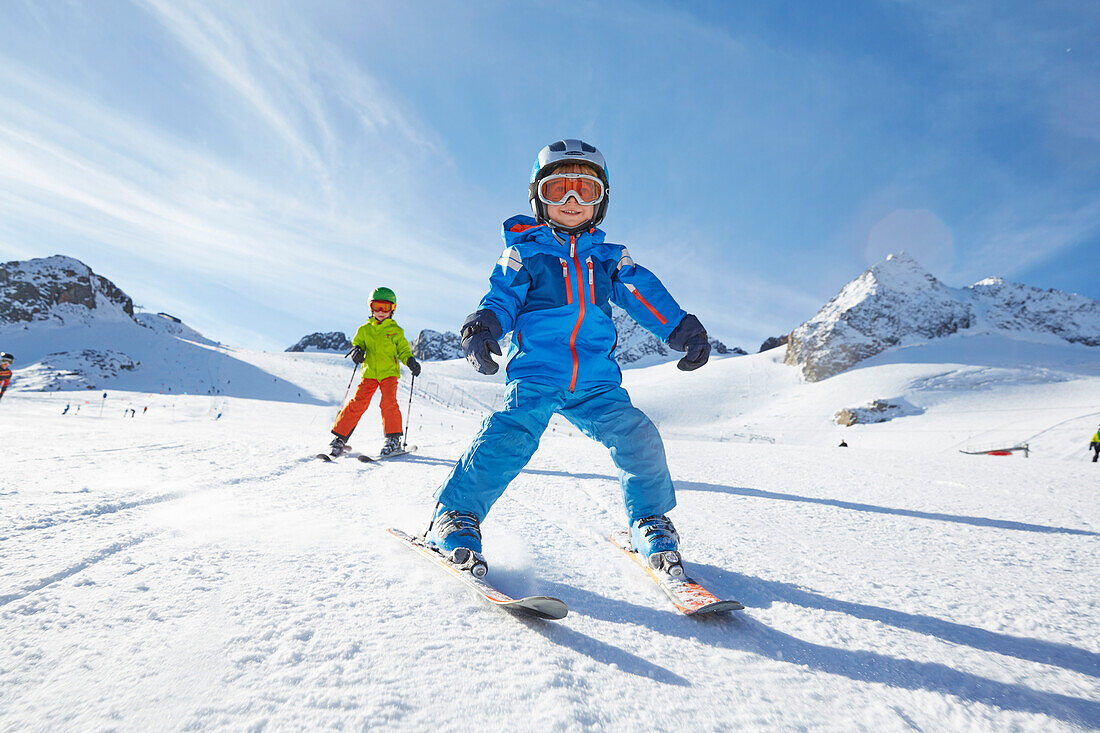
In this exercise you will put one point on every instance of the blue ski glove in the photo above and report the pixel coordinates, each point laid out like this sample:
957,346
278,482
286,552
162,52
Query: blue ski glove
480,332
414,366
690,336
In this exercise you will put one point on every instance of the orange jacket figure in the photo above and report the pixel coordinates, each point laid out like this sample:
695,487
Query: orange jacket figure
5,372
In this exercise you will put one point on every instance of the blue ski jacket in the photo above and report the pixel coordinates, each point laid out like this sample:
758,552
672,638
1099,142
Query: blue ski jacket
554,293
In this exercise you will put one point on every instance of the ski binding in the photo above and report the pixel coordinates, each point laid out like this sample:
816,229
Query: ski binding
689,597
543,607
403,452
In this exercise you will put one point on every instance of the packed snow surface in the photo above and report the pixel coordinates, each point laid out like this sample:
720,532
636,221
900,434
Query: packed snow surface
189,568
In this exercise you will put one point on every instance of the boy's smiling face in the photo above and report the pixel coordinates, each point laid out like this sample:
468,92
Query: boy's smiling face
570,214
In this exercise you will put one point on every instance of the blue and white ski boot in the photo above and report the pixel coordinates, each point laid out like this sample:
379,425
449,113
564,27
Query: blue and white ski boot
657,542
457,536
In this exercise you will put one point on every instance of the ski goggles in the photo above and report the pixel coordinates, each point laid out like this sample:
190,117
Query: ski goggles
586,190
382,306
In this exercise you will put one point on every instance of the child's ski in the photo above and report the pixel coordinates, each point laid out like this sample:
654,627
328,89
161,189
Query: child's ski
404,451
539,606
689,597
329,458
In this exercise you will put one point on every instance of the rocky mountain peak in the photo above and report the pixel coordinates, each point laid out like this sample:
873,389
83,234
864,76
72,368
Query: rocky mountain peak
333,341
897,301
59,289
432,345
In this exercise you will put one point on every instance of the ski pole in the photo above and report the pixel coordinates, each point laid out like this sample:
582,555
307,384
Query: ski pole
408,411
354,369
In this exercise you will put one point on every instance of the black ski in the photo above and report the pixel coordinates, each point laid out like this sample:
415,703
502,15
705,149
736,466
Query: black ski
403,452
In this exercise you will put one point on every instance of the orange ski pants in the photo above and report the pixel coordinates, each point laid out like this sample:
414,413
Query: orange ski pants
358,404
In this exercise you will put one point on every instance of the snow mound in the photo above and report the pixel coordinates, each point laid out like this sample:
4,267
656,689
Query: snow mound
171,326
876,411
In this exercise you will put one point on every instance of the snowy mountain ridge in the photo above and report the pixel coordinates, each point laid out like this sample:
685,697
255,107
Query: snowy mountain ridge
896,302
636,346
61,290
71,329
330,341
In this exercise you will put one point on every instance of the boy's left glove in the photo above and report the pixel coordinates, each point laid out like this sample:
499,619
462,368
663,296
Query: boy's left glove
480,332
690,336
414,366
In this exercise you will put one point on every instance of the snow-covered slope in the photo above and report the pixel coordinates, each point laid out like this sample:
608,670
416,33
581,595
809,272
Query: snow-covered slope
897,303
178,571
168,325
71,329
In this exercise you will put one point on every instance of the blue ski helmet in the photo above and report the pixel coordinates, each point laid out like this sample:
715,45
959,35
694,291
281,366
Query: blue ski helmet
565,152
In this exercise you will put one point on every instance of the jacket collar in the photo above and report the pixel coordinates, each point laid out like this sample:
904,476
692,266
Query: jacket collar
522,228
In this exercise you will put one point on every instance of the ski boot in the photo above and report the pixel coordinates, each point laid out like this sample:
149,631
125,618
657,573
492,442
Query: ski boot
457,536
392,445
656,540
338,445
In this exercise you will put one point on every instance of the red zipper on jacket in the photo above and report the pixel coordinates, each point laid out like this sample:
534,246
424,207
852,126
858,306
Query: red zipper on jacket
654,311
580,313
568,282
591,283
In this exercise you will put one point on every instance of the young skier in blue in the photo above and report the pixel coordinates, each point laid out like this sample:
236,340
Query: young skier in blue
552,288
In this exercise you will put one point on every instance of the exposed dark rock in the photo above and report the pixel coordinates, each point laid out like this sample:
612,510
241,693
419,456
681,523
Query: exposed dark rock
876,411
333,341
773,342
58,288
432,345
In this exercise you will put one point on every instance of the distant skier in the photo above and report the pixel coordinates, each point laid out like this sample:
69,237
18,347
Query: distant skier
5,371
380,347
552,288
1095,445
843,443
66,410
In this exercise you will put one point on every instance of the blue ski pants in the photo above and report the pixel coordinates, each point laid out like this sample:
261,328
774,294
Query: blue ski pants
509,438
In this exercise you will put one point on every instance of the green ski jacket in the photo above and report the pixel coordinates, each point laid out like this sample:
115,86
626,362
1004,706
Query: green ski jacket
384,347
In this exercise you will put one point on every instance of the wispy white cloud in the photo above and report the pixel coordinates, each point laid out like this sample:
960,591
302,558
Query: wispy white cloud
310,230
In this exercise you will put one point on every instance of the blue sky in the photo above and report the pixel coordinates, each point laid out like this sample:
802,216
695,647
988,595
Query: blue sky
257,168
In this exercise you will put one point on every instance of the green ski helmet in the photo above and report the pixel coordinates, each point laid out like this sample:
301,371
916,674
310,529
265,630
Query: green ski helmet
384,294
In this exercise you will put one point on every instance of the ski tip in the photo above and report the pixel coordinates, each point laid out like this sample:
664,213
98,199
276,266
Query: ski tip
545,607
366,459
717,607
324,457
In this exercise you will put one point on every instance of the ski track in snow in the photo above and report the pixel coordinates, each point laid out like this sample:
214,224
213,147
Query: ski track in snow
176,572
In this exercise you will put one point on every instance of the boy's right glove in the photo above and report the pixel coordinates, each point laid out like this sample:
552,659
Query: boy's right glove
356,355
480,332
690,336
